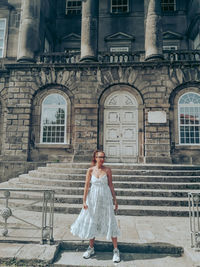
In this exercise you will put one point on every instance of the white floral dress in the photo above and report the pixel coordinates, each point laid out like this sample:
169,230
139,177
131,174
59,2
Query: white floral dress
99,219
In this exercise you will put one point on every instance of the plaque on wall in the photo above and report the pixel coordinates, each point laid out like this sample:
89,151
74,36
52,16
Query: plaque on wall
157,117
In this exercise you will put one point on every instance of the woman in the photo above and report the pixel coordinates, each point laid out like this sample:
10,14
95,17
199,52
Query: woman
97,218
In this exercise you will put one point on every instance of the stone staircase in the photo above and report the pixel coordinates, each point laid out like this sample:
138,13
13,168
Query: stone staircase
141,190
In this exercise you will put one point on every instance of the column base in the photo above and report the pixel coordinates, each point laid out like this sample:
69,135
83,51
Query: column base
154,57
89,59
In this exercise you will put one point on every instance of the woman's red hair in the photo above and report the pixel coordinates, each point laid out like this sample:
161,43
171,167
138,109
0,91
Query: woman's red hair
93,163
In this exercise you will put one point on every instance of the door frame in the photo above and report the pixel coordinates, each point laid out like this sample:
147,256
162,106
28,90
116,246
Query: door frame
138,97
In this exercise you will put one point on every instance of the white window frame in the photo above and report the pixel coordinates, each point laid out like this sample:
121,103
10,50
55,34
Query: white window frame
75,10
111,8
189,125
65,118
165,3
4,35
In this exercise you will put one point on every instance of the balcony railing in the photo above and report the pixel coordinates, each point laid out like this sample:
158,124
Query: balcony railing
59,58
125,57
182,55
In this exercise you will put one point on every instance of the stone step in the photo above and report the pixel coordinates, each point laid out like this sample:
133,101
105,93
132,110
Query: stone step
123,209
123,172
101,259
103,246
119,192
122,200
79,184
128,166
81,177
149,254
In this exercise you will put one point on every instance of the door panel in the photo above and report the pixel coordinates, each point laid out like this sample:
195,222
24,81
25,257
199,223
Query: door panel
120,128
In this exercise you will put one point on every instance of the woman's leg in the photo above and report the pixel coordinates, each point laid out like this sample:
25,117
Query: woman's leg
114,240
92,242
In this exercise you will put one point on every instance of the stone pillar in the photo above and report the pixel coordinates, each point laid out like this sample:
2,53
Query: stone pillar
89,30
153,30
28,42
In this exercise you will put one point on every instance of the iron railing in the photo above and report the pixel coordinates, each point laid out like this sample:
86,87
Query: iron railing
7,195
194,215
114,57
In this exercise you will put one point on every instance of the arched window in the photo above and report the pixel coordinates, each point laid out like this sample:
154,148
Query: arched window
189,119
54,120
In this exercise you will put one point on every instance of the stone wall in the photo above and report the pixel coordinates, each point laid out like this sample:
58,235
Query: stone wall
10,169
85,85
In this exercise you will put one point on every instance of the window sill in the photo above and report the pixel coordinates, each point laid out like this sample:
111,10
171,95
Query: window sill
120,14
53,146
187,147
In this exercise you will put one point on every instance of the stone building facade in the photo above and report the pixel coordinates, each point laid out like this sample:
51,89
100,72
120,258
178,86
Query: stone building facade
122,76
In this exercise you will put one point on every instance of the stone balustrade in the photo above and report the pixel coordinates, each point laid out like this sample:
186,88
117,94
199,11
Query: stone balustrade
110,57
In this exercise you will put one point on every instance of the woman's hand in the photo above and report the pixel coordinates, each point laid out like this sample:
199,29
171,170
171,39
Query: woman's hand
85,206
116,205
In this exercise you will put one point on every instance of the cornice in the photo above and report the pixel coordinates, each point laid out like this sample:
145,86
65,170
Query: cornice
99,65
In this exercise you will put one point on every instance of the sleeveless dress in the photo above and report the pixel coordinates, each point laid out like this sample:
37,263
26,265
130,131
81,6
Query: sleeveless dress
99,219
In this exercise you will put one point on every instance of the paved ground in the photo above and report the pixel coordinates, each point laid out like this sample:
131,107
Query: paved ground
138,230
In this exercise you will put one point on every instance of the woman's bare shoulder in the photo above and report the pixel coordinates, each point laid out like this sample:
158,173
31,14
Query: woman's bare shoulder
90,170
108,170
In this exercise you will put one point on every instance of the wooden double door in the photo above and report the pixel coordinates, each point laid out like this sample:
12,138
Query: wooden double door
121,127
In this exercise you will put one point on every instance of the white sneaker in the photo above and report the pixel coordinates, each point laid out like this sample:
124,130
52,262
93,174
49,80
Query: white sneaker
89,252
116,256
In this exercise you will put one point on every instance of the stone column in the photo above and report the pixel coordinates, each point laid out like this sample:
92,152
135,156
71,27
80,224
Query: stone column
153,30
28,42
89,30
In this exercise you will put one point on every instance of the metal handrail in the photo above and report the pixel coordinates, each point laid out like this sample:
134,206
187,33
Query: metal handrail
194,216
47,198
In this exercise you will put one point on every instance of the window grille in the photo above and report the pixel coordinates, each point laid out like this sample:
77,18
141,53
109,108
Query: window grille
73,7
2,36
189,119
119,6
168,5
53,121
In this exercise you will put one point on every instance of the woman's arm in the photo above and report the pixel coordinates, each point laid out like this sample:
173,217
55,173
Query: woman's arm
110,184
87,184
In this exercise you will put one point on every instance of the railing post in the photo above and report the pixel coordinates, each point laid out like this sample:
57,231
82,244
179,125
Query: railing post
47,229
194,202
6,213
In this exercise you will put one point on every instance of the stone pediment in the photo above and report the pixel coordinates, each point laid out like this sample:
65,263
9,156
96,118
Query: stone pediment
72,37
172,35
119,36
